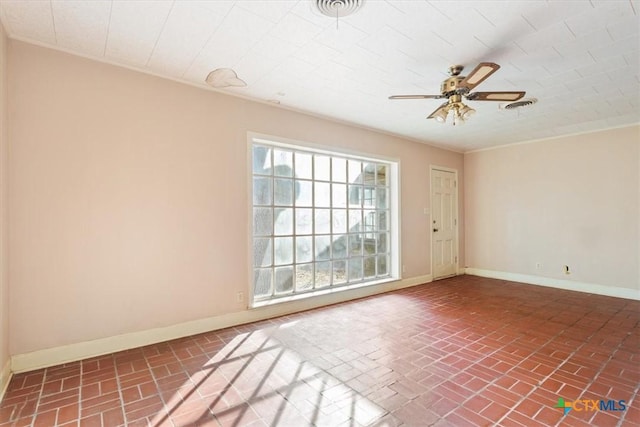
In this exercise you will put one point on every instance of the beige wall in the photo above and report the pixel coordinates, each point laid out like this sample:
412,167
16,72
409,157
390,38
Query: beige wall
128,197
4,255
568,201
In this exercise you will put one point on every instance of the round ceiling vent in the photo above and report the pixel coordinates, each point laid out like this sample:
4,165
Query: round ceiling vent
519,104
338,8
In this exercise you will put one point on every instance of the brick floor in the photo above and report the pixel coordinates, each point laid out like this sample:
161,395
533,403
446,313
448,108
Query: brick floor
461,351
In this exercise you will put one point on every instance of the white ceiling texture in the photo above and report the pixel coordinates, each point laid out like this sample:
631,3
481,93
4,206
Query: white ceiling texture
579,58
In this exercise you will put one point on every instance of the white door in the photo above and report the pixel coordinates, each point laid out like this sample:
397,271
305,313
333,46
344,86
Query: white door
444,223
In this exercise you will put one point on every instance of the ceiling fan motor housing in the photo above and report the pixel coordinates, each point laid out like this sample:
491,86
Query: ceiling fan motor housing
451,86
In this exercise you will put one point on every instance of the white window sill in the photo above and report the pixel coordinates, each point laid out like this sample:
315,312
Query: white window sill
319,292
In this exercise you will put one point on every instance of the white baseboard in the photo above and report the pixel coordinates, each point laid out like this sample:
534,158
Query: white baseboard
5,378
592,288
83,350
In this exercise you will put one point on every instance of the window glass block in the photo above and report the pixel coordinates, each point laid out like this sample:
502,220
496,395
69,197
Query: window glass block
355,196
355,269
283,223
262,221
304,249
338,169
383,265
355,220
339,272
383,239
304,277
339,195
369,197
355,171
283,280
282,163
369,223
381,198
369,173
355,245
321,167
339,246
323,248
261,252
282,250
303,165
322,218
304,193
262,160
322,274
262,190
322,195
369,244
262,282
339,217
369,267
304,221
382,220
381,175
283,192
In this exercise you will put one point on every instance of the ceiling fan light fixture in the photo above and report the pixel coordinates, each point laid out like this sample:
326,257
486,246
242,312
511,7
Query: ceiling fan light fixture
466,112
458,111
441,115
457,118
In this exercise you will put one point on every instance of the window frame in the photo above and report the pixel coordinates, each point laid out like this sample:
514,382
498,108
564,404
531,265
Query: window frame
393,209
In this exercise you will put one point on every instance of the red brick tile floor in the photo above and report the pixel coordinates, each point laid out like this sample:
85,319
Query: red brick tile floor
465,351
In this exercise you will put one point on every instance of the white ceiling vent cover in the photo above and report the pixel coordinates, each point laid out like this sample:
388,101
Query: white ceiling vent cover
526,102
338,8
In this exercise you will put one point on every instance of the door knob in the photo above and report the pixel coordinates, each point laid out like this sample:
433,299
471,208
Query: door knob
435,229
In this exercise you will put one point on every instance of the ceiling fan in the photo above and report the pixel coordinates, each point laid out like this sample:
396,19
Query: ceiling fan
456,87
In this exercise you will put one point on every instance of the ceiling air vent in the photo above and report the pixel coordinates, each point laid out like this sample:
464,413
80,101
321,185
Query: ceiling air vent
519,104
338,8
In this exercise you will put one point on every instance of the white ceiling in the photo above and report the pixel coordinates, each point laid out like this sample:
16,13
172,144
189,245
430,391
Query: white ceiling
579,58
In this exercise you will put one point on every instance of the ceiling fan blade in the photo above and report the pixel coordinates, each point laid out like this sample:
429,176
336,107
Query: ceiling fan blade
479,74
416,97
439,112
495,96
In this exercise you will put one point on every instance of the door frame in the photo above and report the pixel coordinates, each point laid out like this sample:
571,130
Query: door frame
456,232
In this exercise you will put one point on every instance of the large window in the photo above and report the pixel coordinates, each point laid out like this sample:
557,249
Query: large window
320,220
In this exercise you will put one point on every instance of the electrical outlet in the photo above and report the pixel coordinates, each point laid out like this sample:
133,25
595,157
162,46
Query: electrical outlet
240,297
566,269
403,269
538,265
